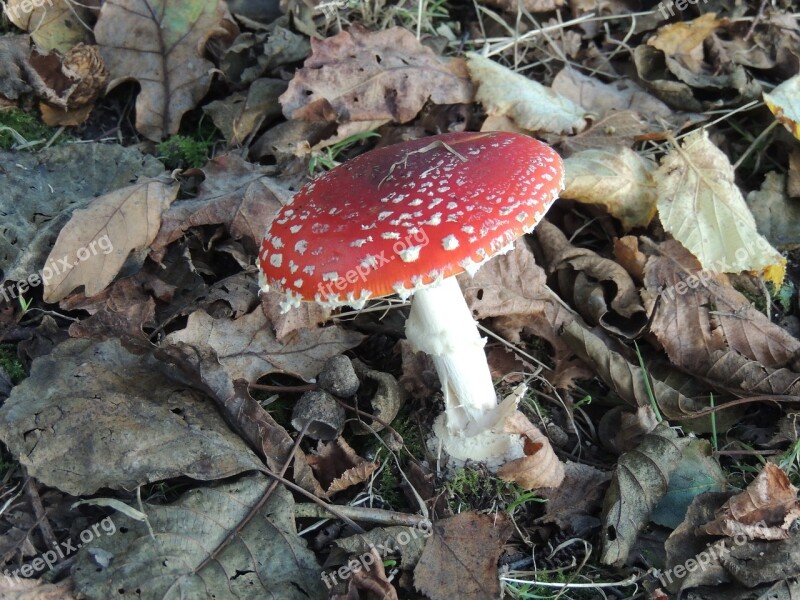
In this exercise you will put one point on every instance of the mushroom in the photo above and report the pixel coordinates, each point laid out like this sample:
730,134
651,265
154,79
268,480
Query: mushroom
405,219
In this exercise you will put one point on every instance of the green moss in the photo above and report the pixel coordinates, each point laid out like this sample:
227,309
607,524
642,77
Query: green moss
11,364
477,488
183,152
19,129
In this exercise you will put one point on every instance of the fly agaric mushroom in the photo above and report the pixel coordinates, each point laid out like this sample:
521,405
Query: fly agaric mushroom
405,219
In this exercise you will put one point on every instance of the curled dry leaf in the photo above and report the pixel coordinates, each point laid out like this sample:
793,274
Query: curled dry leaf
701,206
540,468
619,180
248,350
682,42
784,102
529,104
97,239
338,467
460,557
164,51
765,510
625,378
358,75
639,482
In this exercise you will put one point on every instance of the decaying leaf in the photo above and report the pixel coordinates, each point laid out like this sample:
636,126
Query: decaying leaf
53,24
619,180
93,246
460,558
12,588
171,553
639,482
358,75
337,466
93,415
701,206
775,213
163,50
682,42
386,538
239,115
540,468
764,511
529,104
580,494
784,102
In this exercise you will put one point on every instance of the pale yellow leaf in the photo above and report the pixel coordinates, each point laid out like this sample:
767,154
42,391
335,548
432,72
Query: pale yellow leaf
621,181
93,245
700,205
531,106
784,102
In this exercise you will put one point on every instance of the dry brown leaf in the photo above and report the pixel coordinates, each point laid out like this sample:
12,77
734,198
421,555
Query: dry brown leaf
579,495
683,41
236,194
627,253
540,468
338,467
776,215
732,371
619,180
16,588
701,206
618,129
371,580
53,24
460,558
529,104
248,350
583,276
239,115
793,185
765,510
94,244
306,316
359,75
704,303
164,51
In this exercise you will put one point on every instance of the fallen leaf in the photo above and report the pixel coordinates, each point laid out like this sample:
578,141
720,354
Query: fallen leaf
765,510
775,214
172,552
358,75
97,239
529,104
164,51
338,467
94,415
682,42
639,482
730,370
252,54
33,589
793,185
701,206
53,24
621,181
460,558
580,495
240,115
784,102
372,580
387,537
540,467
248,350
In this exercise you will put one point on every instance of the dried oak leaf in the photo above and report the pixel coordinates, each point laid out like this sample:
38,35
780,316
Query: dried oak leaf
248,350
529,104
337,466
162,50
765,510
236,194
619,180
701,206
93,415
460,558
639,482
97,239
719,317
359,75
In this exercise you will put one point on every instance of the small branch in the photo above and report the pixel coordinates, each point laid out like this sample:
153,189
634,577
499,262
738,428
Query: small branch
359,513
38,510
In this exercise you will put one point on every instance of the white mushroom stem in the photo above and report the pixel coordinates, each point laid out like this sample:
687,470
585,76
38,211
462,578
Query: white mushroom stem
441,325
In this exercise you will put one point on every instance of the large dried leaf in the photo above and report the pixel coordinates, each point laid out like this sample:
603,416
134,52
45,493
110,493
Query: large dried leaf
161,559
36,201
460,558
358,75
160,45
529,104
701,206
98,238
704,303
619,180
540,467
730,370
639,482
248,350
784,102
53,24
682,42
93,415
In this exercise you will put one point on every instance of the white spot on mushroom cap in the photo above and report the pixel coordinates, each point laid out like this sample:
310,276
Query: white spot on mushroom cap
295,228
300,246
309,269
390,235
276,260
298,283
410,254
450,242
277,243
330,276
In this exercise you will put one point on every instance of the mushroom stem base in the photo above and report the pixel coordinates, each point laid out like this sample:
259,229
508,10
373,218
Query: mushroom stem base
441,325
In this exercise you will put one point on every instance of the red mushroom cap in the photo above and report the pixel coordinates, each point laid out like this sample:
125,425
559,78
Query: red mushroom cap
401,217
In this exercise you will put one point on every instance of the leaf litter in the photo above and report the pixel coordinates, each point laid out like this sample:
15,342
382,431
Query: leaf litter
649,324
